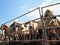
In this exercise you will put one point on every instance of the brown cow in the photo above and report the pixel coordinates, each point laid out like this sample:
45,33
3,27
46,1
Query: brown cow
51,22
33,29
6,31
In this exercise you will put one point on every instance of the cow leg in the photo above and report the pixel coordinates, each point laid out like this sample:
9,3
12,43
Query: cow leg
40,33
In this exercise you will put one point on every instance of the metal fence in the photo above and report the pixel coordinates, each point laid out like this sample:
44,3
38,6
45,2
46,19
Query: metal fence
44,30
45,40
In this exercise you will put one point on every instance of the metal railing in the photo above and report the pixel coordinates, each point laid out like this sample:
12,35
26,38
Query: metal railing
44,31
21,16
43,27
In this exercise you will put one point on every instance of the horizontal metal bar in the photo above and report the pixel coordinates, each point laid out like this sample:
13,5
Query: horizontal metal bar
51,17
21,15
42,40
40,18
25,22
34,40
54,27
51,5
45,17
32,20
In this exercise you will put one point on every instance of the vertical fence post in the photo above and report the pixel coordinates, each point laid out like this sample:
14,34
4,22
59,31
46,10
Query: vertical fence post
43,24
43,27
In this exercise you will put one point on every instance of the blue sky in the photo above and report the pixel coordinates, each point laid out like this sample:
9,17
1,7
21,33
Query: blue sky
10,9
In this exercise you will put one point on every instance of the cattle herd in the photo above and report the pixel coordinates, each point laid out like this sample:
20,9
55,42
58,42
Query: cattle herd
32,29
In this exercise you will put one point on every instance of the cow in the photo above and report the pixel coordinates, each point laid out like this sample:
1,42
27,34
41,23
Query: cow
33,29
